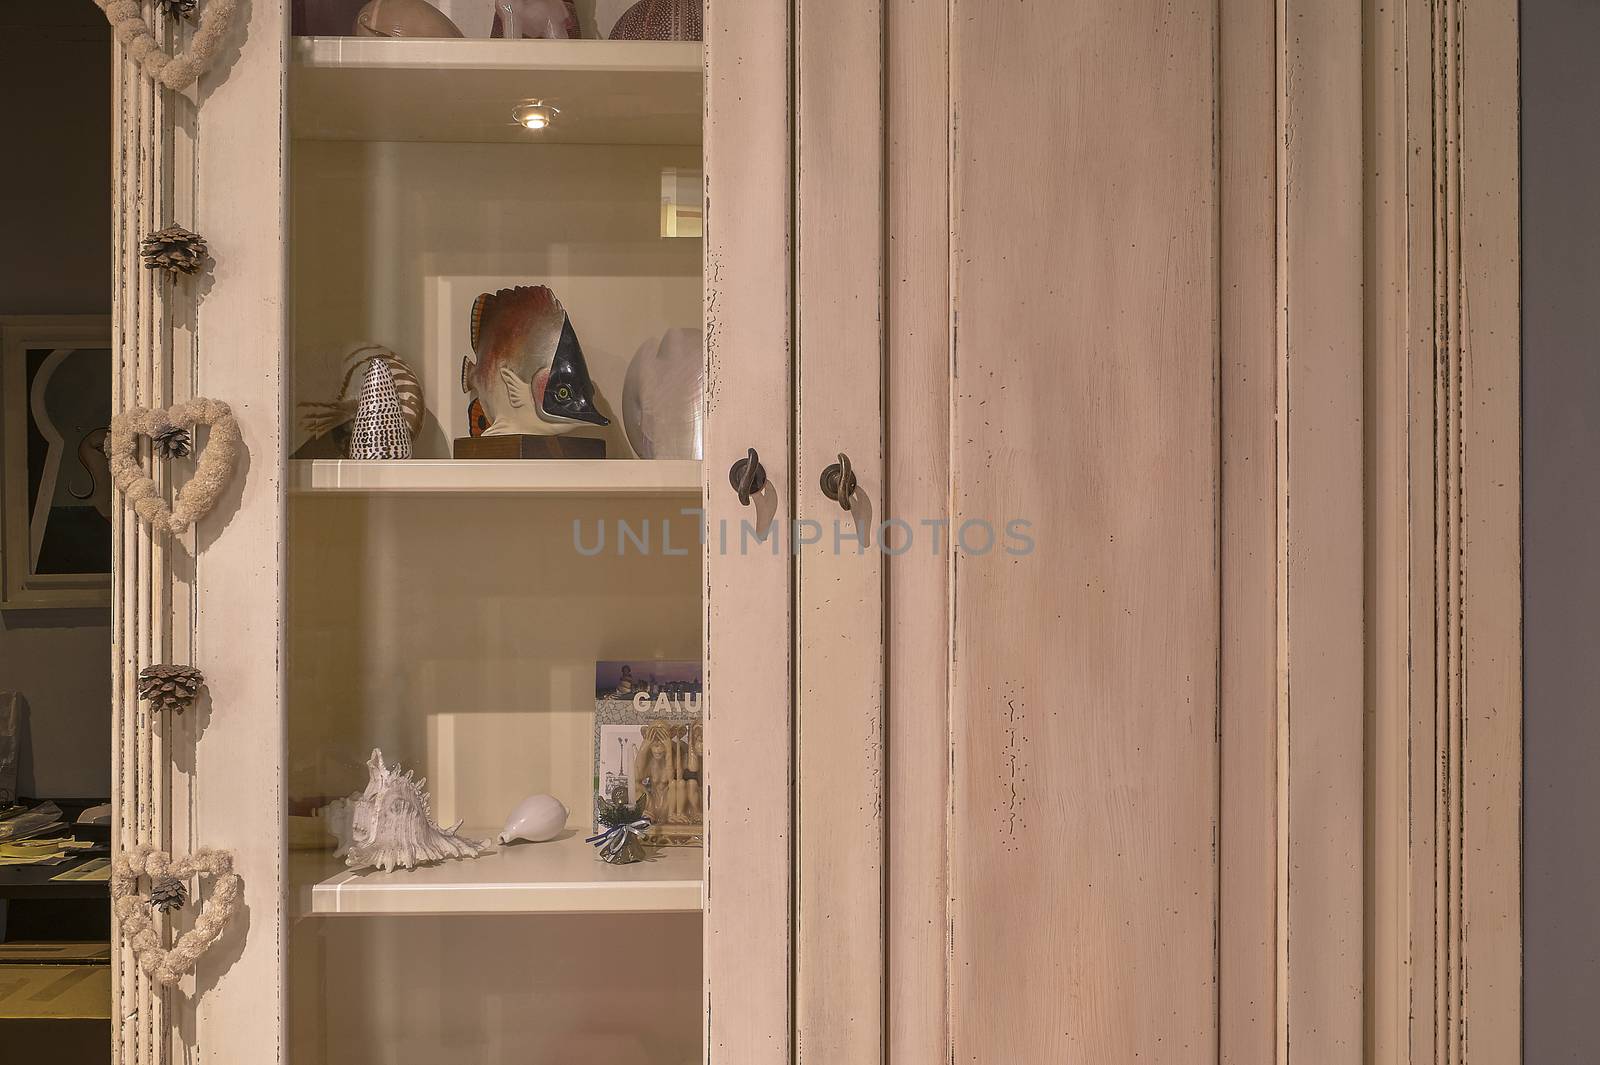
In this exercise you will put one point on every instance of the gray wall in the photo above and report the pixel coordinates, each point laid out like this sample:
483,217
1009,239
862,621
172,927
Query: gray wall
1561,519
55,200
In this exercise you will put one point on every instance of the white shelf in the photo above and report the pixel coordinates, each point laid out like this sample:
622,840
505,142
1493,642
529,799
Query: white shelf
390,89
570,477
563,876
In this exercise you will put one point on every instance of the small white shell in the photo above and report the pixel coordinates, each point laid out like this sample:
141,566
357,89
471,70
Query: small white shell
537,818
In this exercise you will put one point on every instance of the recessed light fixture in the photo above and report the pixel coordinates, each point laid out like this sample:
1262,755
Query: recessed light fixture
534,114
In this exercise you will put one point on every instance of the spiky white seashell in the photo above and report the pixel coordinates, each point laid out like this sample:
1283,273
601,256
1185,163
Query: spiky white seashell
392,825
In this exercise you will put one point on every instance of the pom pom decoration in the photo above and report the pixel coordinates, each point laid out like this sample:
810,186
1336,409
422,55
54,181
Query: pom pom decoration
196,498
173,249
176,72
170,687
135,915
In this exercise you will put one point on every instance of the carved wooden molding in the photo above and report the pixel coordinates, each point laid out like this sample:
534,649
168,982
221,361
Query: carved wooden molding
1446,726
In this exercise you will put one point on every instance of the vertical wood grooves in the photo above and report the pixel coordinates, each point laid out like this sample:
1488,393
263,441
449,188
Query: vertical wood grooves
141,628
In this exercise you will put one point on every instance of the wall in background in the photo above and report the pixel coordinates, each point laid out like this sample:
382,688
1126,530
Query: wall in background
1561,513
55,76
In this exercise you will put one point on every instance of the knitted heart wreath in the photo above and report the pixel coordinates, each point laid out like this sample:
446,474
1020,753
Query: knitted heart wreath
197,497
179,71
135,913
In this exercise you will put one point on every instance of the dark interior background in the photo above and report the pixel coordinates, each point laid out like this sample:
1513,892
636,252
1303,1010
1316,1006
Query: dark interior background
1561,529
55,188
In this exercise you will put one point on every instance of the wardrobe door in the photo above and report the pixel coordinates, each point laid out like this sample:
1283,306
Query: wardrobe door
1008,302
748,569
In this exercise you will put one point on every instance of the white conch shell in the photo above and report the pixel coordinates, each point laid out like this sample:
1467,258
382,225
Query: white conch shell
392,824
537,818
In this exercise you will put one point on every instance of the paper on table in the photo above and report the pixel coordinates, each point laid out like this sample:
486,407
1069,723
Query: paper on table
96,869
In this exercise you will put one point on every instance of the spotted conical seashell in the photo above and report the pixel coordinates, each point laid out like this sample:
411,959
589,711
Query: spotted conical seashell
380,431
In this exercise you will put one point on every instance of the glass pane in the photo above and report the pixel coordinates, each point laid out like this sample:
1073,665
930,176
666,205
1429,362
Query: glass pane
494,560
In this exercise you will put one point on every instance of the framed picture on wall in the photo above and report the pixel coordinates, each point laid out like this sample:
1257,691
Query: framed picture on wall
55,394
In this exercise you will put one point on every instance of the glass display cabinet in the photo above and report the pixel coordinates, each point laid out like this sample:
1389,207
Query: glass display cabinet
451,611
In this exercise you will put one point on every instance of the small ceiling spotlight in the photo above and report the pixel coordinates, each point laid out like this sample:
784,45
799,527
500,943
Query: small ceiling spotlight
535,114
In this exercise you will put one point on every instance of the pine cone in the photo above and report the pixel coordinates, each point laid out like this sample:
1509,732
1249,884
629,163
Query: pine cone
170,687
178,8
168,894
173,442
173,249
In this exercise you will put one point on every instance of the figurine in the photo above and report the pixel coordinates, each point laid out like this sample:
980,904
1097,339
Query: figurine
537,818
528,376
622,825
392,825
404,18
663,396
655,770
522,19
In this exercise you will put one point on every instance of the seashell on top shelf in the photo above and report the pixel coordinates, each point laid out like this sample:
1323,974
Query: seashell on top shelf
404,18
660,20
537,818
663,397
391,824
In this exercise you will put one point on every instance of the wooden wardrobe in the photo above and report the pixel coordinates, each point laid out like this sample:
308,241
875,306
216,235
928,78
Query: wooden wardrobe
1120,713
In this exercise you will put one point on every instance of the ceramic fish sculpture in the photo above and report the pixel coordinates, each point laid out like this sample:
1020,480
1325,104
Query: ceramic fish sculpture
392,825
526,374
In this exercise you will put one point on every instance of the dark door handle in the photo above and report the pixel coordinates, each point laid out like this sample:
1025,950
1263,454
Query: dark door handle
839,481
747,476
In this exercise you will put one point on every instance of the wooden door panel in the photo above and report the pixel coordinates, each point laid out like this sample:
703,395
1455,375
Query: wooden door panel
839,735
1084,677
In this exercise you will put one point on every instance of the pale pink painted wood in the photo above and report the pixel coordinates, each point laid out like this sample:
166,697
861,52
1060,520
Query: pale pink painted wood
917,592
1321,606
749,719
839,604
238,1015
1492,492
1247,843
1084,686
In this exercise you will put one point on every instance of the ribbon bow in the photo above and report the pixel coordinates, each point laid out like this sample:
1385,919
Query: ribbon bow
615,837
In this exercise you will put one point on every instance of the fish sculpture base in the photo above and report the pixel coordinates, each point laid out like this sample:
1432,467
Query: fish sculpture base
527,446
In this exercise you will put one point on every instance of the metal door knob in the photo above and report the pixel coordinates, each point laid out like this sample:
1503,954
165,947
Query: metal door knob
747,476
839,481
